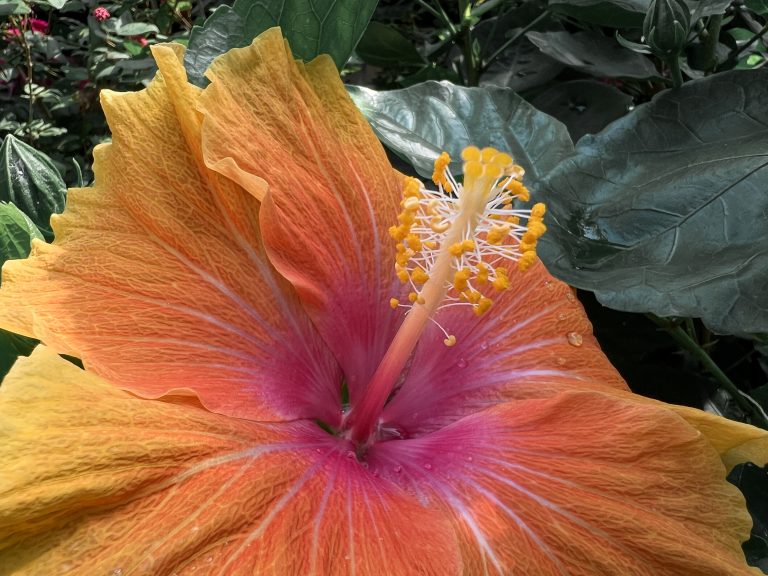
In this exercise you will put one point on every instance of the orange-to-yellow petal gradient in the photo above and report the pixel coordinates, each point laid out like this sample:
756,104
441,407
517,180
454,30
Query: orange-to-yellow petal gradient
158,277
97,481
332,193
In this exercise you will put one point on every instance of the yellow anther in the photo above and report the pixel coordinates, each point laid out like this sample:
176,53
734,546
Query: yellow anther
482,305
516,188
413,296
438,176
437,225
526,247
419,276
482,273
432,207
529,238
430,244
411,203
488,153
537,228
411,187
456,249
538,210
403,275
497,234
414,242
468,245
399,232
526,260
473,296
394,303
514,220
470,154
406,218
460,278
450,341
501,282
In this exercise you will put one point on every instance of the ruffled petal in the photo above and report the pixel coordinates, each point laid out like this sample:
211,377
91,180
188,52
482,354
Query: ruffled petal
534,342
158,277
580,484
98,482
332,193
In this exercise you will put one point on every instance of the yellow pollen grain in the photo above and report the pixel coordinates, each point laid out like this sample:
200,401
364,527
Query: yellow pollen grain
419,276
526,260
413,296
460,278
482,306
538,210
414,242
456,249
403,276
394,303
450,341
468,245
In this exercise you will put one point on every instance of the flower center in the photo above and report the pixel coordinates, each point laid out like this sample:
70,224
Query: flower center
451,249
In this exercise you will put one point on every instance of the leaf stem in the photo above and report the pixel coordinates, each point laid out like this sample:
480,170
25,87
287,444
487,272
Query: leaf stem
710,40
686,342
674,67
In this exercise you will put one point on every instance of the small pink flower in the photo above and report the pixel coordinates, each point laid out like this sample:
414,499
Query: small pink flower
37,25
101,13
140,40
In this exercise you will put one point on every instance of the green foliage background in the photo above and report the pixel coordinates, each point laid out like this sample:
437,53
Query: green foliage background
643,124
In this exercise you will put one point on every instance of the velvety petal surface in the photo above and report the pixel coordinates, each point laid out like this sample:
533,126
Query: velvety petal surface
158,277
332,193
580,484
98,482
535,341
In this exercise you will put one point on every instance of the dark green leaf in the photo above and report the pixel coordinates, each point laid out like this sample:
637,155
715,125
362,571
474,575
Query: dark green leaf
759,6
11,347
382,45
666,211
584,106
594,54
136,29
626,13
421,121
522,67
13,7
325,27
30,180
16,233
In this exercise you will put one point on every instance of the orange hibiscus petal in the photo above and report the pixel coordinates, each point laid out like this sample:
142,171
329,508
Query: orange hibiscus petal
580,484
96,481
535,341
158,278
332,193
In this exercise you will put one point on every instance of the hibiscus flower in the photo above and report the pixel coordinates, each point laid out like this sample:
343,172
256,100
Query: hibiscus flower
253,404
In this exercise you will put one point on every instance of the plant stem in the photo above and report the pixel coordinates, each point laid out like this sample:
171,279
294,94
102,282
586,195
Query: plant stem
674,67
685,341
710,42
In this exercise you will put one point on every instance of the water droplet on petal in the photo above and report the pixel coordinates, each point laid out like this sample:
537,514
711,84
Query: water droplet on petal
470,459
427,466
560,361
117,572
483,345
570,296
350,454
549,285
562,316
398,469
462,363
575,339
319,450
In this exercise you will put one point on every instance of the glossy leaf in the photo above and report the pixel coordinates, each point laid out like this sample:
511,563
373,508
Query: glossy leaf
522,67
331,27
421,121
16,233
665,210
592,53
29,180
384,46
584,106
